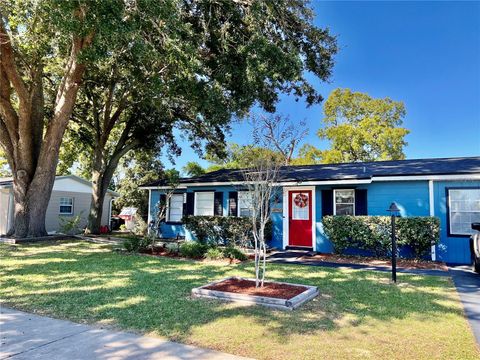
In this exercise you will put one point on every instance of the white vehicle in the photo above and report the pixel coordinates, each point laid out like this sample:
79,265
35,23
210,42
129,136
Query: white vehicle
475,247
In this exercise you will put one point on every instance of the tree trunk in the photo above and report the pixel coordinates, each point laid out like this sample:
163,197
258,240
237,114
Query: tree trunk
99,190
32,153
96,208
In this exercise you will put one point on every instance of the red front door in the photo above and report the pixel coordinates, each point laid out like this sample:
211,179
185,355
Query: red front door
300,218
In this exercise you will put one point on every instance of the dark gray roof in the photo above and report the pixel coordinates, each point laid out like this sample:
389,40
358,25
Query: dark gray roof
343,171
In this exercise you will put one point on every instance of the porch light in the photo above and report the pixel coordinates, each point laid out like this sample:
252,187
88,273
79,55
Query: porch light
394,210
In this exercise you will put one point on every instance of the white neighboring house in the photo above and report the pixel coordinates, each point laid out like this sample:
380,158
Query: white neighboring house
71,196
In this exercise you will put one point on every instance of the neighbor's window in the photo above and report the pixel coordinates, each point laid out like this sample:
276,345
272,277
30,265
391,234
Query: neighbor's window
245,204
204,203
344,202
175,210
464,209
66,205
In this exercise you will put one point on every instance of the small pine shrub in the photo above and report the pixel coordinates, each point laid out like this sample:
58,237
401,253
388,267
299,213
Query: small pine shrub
136,244
234,253
171,248
193,250
214,253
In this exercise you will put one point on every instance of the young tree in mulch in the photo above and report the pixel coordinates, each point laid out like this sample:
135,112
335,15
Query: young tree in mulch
260,180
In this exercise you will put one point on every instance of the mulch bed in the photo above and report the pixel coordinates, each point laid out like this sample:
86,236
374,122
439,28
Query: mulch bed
363,260
247,287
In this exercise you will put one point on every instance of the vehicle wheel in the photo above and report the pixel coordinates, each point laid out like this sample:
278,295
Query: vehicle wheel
476,265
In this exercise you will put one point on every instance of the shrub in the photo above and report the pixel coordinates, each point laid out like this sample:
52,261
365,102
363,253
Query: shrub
234,253
140,227
419,232
136,244
172,248
223,230
70,225
373,233
214,253
193,249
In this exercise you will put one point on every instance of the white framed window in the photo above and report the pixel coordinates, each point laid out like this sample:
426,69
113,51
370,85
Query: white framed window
300,205
204,201
343,202
245,203
464,209
66,206
175,208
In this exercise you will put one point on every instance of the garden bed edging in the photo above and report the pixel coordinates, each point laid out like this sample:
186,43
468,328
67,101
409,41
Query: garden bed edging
276,303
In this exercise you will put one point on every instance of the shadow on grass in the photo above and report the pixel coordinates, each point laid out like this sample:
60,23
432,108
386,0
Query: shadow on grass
85,283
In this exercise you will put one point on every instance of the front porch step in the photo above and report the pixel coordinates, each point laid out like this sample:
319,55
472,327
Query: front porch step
299,248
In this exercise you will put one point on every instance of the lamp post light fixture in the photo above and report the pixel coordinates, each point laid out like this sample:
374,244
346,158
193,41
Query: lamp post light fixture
394,210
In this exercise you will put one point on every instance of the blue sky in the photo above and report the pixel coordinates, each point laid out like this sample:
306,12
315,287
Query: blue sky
426,54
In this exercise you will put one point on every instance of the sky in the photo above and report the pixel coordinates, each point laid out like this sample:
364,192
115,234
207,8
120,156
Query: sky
426,54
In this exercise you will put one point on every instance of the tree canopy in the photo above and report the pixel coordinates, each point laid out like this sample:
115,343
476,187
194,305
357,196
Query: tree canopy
211,60
359,128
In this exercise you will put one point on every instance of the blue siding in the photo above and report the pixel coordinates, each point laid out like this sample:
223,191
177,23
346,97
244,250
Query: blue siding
455,250
411,196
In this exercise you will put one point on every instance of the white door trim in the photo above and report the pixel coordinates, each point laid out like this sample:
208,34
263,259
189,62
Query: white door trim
286,189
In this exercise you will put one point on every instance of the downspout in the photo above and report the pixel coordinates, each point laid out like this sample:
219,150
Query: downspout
110,214
432,213
149,203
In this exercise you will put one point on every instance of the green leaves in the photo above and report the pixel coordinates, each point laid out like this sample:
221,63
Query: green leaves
359,128
373,233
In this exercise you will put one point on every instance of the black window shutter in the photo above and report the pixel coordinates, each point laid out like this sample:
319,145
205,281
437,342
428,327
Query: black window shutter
327,202
361,202
163,199
232,203
189,204
218,203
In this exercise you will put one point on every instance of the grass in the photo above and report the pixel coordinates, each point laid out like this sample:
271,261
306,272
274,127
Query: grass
359,314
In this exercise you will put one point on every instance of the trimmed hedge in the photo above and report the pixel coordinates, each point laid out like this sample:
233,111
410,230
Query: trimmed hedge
223,230
373,233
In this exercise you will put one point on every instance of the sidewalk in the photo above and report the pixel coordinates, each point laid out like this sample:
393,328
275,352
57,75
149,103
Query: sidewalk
28,336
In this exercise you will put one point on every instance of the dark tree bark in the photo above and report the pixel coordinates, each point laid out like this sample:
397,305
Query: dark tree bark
32,155
104,164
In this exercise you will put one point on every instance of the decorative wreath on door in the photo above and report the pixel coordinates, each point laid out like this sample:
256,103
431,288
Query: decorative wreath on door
301,200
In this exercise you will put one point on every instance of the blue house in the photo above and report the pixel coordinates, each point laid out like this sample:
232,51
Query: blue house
448,188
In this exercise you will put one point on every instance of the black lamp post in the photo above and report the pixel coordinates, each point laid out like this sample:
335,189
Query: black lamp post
394,210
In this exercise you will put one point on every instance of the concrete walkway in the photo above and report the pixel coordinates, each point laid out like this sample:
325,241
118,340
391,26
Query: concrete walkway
467,283
28,336
301,258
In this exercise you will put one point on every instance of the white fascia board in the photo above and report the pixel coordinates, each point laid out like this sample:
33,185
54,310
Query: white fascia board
241,183
325,182
427,177
161,187
332,182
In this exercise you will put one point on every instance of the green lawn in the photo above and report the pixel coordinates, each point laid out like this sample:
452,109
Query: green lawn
359,314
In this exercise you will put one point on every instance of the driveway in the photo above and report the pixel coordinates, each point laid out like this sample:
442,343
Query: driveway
28,336
467,283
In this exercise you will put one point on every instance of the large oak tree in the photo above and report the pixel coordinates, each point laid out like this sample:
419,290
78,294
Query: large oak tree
148,66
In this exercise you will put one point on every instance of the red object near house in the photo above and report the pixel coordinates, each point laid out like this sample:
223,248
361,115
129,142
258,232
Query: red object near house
300,218
104,229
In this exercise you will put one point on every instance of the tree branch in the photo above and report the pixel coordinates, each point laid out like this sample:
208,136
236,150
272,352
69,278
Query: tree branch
8,63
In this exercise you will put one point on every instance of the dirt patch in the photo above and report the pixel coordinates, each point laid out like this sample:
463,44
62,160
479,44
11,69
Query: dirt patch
247,287
363,260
